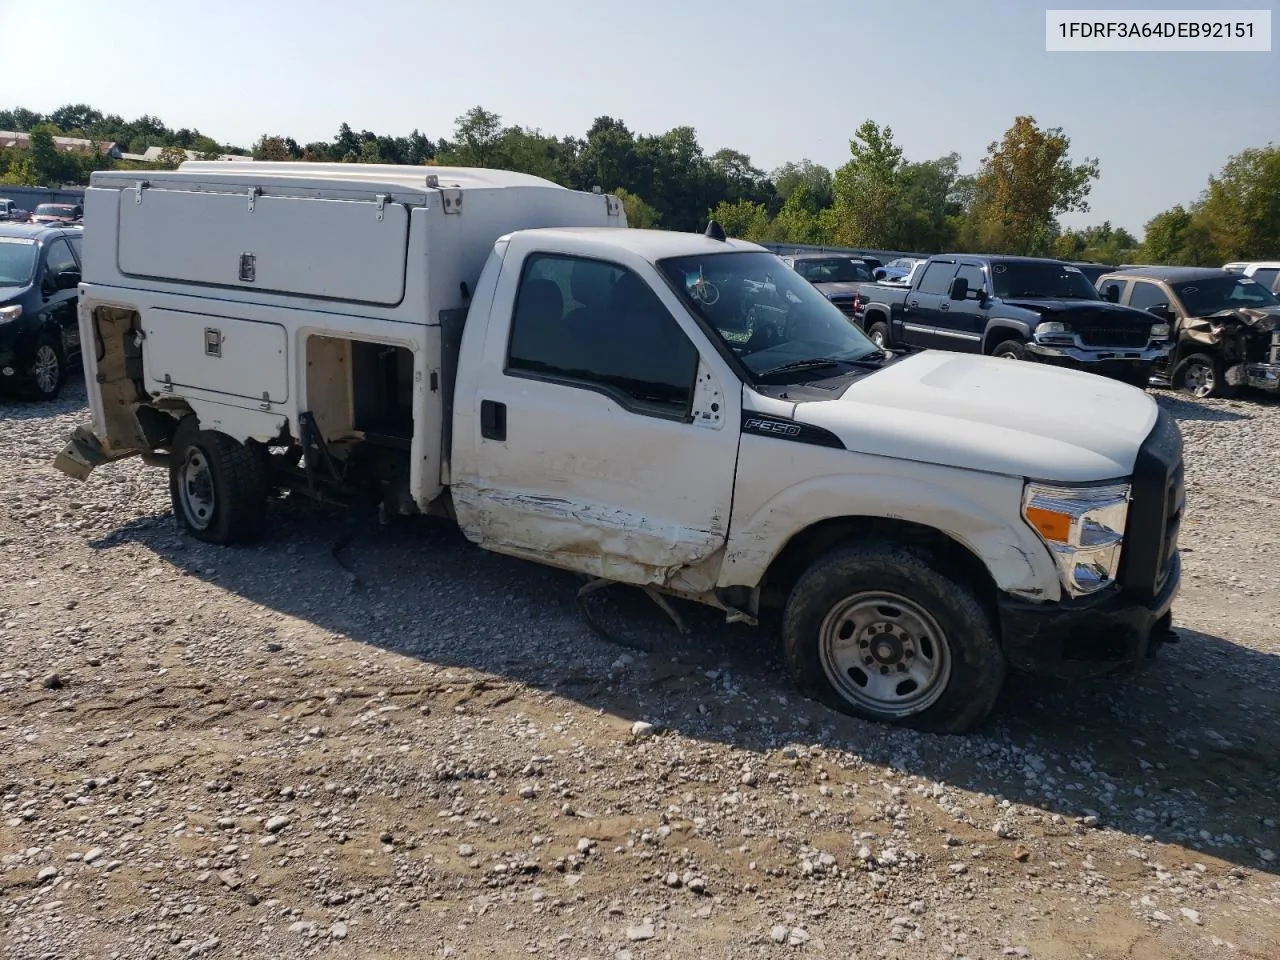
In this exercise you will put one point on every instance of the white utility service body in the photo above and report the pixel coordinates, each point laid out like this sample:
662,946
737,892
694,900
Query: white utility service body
279,306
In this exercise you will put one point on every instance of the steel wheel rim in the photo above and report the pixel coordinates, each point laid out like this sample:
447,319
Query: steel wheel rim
1198,379
195,489
45,369
877,337
884,653
1006,354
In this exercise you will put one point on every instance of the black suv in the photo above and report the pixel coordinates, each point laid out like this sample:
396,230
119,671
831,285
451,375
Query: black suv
39,281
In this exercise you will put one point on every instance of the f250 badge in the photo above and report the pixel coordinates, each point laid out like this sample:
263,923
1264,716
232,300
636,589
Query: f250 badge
772,426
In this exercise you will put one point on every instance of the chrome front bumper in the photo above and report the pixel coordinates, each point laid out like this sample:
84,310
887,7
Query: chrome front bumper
1081,354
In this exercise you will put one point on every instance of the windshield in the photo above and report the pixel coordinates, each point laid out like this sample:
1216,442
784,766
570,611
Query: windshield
1203,297
832,271
17,260
1030,280
766,314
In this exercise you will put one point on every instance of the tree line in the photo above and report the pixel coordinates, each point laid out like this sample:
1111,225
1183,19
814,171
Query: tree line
1011,203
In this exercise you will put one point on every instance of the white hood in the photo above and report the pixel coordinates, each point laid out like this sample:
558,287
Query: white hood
1009,417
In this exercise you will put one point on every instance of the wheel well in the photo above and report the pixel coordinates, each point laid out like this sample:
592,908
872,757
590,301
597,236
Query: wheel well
998,335
809,544
874,315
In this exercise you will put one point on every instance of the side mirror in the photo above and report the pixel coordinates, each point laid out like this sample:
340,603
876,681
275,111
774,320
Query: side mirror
1111,293
1160,310
67,279
959,289
879,273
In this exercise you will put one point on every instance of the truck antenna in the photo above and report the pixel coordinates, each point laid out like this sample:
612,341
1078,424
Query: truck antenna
714,231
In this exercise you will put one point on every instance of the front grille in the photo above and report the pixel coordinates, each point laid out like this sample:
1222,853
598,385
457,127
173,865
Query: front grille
1114,336
845,305
1155,512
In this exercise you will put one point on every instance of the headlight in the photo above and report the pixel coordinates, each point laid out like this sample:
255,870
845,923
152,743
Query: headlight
10,313
1053,326
1159,331
1083,527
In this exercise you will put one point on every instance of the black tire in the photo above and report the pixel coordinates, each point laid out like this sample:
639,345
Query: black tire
48,370
880,329
1010,349
884,578
1201,375
1140,379
218,486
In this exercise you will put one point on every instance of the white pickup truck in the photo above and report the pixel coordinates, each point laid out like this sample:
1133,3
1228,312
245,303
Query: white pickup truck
678,412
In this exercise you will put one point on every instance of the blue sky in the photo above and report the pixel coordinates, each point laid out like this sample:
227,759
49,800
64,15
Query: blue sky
779,81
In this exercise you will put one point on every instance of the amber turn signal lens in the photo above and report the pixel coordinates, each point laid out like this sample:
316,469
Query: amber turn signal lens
1052,525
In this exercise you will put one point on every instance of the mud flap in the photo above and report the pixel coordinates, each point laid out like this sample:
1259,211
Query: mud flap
83,452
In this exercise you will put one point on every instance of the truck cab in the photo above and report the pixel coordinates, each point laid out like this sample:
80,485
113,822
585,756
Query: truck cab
1015,308
680,413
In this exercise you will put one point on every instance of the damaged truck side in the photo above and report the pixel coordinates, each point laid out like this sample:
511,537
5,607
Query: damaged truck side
677,412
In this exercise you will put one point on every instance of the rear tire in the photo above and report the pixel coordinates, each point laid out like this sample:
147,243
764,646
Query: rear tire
878,333
1010,350
878,631
1200,375
218,486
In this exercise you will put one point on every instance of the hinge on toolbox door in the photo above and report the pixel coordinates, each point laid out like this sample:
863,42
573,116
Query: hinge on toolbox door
254,193
382,199
452,201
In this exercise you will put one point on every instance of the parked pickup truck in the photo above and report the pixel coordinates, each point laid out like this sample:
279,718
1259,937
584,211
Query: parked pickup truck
677,412
1265,272
1226,325
11,212
1016,308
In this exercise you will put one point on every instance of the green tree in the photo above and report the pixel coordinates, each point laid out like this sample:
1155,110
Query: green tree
478,133
813,177
45,156
744,220
171,158
1026,181
868,189
21,170
1241,207
639,214
271,147
1105,244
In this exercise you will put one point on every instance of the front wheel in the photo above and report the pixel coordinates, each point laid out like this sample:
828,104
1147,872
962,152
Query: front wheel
47,373
1199,375
878,631
218,486
1010,350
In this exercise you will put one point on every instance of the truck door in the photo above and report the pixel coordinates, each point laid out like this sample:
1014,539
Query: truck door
923,309
593,435
962,325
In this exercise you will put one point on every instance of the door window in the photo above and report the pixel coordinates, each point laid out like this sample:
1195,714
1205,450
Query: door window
972,274
58,258
937,277
1267,276
1146,294
598,326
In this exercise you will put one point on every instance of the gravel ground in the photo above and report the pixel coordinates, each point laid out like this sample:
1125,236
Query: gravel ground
417,748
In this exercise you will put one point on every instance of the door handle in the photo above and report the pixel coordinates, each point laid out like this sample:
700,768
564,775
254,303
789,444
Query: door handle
945,306
493,420
914,303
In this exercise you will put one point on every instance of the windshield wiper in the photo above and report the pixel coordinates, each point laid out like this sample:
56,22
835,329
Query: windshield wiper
823,363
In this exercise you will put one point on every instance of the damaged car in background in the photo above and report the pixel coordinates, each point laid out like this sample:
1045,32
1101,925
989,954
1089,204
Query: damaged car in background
1225,325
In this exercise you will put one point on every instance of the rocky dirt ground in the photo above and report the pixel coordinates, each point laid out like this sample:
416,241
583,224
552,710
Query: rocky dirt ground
415,748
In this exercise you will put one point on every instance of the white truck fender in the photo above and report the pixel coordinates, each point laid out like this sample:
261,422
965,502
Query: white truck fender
983,517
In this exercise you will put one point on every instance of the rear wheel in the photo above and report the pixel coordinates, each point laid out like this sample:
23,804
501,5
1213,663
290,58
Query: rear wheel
880,632
218,486
878,333
1010,350
1200,375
